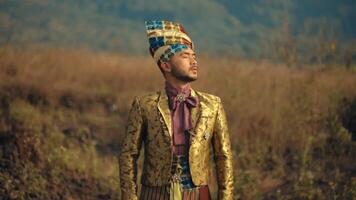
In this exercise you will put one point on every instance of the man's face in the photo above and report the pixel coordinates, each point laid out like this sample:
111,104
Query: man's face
184,66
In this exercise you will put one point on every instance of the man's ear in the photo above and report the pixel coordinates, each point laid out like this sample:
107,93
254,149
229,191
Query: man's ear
165,66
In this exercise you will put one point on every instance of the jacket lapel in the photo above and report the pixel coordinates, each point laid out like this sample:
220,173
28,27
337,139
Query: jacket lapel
201,119
164,110
195,111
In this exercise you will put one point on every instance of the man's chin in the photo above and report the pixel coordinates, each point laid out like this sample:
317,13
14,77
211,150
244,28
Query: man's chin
188,79
194,78
191,79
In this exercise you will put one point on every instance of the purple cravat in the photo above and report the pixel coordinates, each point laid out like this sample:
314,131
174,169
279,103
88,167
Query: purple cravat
180,104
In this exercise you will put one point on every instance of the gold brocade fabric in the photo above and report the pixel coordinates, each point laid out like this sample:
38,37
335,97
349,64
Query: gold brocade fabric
149,126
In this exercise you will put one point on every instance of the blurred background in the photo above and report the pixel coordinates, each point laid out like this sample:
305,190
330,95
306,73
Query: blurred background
285,70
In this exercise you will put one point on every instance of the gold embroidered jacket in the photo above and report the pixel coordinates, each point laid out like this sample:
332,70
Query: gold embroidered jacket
150,124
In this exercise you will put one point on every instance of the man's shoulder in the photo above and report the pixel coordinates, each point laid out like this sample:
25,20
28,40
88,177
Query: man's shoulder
153,96
208,97
148,96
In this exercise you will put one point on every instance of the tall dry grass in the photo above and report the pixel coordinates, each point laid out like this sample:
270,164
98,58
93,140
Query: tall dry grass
285,123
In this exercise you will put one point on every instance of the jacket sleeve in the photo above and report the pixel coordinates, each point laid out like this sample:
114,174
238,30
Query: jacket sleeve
223,155
130,150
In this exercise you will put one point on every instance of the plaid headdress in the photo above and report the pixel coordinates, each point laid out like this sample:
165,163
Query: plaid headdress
166,38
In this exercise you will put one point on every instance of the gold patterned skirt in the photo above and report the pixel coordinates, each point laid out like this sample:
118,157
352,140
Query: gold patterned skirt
171,192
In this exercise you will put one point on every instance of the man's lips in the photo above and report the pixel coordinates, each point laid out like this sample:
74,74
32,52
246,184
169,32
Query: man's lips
194,68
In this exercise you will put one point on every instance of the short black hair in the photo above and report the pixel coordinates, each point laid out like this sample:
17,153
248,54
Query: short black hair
160,68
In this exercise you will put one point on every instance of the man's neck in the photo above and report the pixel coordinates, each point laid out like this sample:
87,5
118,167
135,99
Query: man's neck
179,85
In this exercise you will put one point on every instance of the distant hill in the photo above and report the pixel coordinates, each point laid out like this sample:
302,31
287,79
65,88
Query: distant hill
240,27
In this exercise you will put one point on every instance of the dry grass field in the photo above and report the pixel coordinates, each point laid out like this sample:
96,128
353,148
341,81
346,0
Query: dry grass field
63,114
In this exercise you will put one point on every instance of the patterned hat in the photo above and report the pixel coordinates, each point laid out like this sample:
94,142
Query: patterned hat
166,38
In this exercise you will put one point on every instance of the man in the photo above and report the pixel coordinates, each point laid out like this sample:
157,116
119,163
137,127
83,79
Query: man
178,126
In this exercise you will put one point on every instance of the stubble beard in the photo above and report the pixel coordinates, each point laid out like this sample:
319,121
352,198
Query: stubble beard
181,75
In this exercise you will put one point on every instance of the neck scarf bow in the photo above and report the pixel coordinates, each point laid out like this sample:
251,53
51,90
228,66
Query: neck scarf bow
180,104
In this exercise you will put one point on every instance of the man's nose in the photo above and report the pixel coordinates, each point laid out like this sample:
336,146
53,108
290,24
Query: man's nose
193,61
